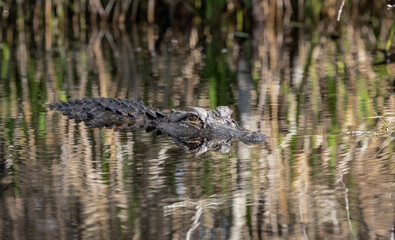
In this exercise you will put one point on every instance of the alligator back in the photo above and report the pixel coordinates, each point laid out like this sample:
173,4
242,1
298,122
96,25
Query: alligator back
109,112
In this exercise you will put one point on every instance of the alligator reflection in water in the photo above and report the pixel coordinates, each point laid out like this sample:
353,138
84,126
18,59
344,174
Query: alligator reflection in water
198,129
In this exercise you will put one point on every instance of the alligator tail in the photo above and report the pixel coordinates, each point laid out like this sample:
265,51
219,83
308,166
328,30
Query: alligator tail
109,112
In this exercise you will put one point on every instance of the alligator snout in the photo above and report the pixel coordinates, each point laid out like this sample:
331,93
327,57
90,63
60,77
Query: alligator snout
253,138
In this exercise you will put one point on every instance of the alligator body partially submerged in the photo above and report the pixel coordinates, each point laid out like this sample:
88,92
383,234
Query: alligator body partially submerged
198,129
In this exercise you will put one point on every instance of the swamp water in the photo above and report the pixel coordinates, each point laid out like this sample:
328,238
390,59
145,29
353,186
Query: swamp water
326,171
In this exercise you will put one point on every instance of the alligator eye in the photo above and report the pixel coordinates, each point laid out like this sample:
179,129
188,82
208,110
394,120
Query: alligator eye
194,119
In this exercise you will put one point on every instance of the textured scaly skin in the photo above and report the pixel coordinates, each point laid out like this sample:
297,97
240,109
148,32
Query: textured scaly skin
199,129
109,112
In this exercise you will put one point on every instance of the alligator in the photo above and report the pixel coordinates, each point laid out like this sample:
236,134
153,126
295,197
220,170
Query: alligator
197,128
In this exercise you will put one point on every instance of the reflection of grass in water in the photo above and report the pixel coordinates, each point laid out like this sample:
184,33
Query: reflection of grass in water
219,76
388,127
332,143
332,88
363,99
390,36
389,139
384,145
5,61
386,130
208,187
373,134
292,156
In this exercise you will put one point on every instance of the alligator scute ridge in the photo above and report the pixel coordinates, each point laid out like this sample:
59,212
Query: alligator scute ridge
197,128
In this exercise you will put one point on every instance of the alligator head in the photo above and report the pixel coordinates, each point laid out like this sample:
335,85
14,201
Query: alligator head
200,129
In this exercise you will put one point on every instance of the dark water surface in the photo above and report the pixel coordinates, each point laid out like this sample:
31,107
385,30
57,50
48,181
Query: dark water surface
326,171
